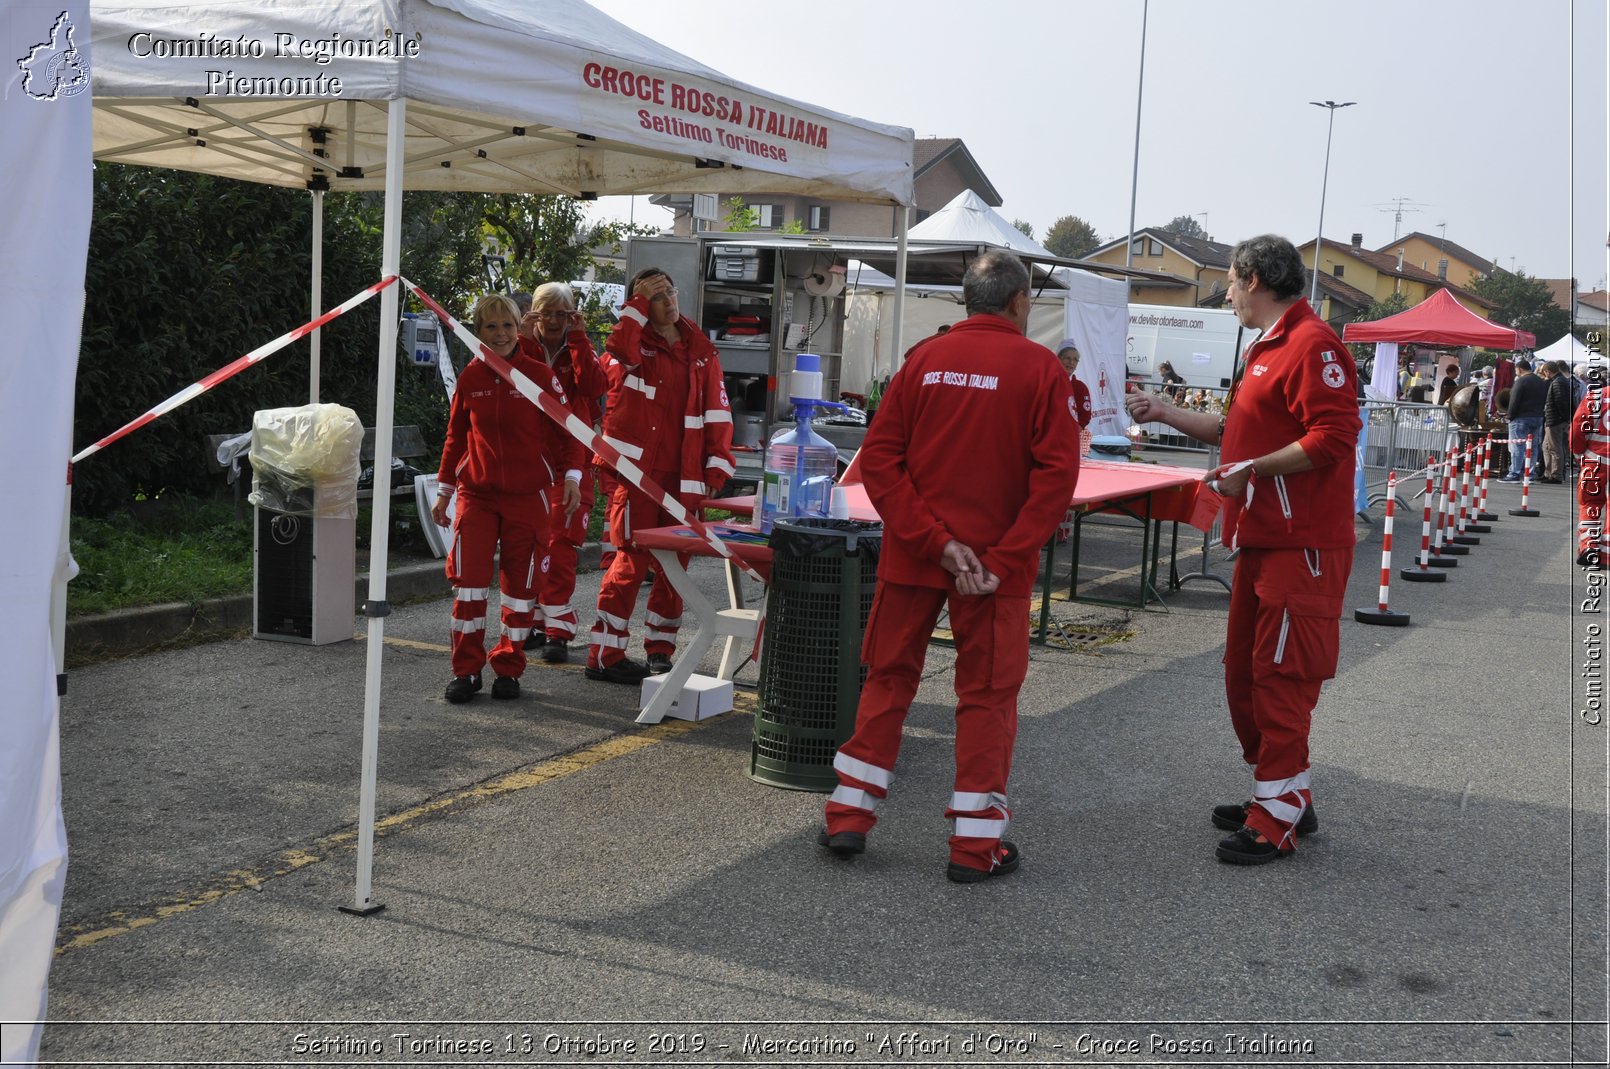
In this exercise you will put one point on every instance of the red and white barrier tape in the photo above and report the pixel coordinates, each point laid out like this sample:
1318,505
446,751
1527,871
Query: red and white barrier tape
578,430
207,382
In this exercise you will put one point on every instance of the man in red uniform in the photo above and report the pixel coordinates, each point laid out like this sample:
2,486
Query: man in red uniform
554,333
1287,441
1590,440
504,458
971,463
668,416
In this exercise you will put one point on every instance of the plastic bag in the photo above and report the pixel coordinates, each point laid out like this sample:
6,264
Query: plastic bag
305,460
799,537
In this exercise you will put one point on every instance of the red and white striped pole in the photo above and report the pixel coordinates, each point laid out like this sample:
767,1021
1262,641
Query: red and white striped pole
1445,514
1526,485
1474,479
1381,614
1439,558
1486,473
1423,573
1462,533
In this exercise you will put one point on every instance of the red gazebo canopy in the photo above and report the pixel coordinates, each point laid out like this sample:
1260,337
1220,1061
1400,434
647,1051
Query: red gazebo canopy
1440,320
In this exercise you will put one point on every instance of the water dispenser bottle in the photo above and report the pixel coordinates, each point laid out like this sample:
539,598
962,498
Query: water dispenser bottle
800,464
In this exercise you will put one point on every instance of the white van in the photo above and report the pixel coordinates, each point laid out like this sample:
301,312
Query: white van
1201,343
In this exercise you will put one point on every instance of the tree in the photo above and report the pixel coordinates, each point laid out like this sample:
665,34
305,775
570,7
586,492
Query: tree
1186,226
1524,303
222,268
741,218
1025,226
1364,352
1071,237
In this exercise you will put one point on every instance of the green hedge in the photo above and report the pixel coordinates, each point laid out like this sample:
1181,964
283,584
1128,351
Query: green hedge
188,272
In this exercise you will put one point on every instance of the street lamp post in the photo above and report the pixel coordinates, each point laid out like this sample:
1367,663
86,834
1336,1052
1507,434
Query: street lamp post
1319,240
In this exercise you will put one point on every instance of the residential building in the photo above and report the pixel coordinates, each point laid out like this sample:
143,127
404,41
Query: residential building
1339,303
1593,311
1441,257
941,168
1588,310
1381,275
1195,269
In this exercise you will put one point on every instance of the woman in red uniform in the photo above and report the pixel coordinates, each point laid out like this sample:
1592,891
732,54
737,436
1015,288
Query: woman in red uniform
503,458
1068,356
553,332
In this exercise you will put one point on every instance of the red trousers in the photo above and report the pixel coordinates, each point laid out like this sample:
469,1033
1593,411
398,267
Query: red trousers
515,529
992,659
1282,643
630,509
558,580
1591,493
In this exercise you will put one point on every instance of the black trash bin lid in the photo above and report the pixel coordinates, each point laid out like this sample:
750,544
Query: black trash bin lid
810,536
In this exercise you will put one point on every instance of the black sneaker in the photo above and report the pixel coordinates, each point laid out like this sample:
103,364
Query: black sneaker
1243,848
533,641
463,688
659,663
505,687
625,671
555,652
844,843
1005,867
1233,816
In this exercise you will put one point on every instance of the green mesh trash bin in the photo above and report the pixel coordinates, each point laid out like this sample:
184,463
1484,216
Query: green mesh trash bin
823,575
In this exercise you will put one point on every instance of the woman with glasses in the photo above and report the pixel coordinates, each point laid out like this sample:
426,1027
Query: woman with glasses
554,333
505,460
668,415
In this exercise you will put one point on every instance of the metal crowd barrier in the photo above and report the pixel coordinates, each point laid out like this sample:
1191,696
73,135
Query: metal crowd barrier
1208,399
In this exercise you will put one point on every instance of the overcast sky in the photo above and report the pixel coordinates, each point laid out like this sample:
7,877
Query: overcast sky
1463,113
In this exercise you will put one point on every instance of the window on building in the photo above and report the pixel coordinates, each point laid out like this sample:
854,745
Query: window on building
816,217
1157,248
767,216
1337,271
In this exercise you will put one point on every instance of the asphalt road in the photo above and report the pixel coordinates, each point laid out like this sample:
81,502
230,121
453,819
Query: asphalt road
563,886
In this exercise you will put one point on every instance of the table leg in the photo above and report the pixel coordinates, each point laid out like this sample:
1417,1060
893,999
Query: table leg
730,650
693,601
1045,591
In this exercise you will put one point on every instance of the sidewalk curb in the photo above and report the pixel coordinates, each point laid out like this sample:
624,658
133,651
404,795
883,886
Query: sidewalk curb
129,631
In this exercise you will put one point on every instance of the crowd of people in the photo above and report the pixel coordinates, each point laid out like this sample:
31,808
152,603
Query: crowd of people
979,396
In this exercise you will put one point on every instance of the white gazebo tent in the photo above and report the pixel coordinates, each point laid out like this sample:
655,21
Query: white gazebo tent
1569,348
467,95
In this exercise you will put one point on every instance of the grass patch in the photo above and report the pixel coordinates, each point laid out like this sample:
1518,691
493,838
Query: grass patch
175,551
184,550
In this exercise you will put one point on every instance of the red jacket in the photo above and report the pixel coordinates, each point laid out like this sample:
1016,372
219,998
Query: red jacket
1081,401
1299,385
1590,428
578,371
973,441
634,422
493,432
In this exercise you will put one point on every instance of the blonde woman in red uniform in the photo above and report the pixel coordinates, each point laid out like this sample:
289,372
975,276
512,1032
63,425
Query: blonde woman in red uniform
504,459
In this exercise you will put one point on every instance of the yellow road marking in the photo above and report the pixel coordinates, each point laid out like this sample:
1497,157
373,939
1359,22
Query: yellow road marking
118,922
409,644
